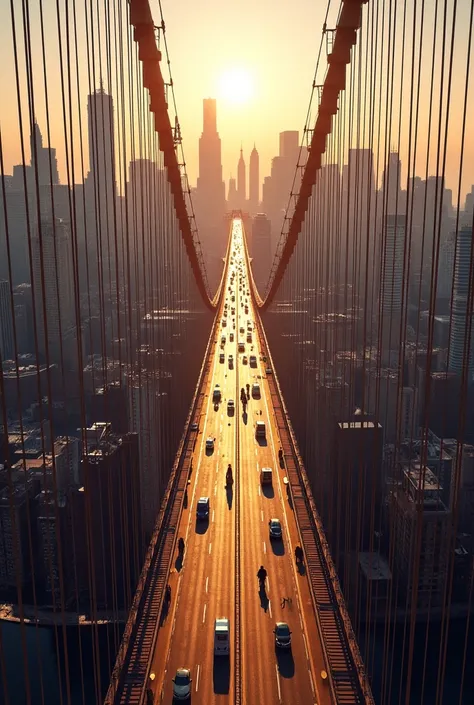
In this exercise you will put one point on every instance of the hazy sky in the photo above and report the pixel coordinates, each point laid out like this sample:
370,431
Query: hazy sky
273,43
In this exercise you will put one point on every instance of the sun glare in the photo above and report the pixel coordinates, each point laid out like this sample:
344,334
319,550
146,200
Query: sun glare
236,85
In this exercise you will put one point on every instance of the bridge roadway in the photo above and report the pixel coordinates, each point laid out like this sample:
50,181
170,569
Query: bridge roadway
203,584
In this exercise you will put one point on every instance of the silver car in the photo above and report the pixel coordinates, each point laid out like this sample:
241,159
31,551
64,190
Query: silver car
182,684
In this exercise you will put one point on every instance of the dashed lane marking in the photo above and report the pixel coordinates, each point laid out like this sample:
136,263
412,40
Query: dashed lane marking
207,583
278,682
210,548
204,614
197,677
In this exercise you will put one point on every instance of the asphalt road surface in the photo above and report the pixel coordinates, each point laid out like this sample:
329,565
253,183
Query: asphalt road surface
203,582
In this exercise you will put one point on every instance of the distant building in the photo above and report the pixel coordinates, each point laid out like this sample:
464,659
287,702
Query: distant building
261,250
254,182
391,293
461,344
54,549
54,294
241,181
43,160
111,524
209,196
7,343
15,557
355,498
419,500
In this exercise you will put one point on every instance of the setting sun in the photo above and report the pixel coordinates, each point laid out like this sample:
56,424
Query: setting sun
236,85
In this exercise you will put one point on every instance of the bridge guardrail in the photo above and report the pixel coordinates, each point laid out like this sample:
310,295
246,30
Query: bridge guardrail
347,670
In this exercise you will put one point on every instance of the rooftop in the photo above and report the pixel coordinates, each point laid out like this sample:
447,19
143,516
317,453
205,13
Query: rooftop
374,566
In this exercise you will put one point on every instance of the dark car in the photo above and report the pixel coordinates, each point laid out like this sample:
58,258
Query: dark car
282,635
202,508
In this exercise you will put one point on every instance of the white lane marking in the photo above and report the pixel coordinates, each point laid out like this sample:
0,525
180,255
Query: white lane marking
278,682
268,584
256,450
204,614
264,547
261,513
197,677
305,645
215,489
311,681
259,491
213,515
207,583
258,467
210,548
270,608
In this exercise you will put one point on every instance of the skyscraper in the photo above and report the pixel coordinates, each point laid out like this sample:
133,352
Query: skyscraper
7,348
43,159
391,185
209,199
261,250
461,338
241,187
52,276
254,181
392,280
100,116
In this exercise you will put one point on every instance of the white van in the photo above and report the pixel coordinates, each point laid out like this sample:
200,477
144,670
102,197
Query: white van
221,637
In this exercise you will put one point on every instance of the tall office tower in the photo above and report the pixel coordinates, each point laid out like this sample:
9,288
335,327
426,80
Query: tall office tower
289,145
54,547
7,344
15,563
261,250
241,186
233,197
391,202
210,204
461,341
144,418
355,499
392,281
446,267
112,514
358,185
53,285
468,213
43,159
100,117
417,501
254,181
100,184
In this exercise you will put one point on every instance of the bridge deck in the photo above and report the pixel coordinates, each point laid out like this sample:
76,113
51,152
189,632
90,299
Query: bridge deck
217,575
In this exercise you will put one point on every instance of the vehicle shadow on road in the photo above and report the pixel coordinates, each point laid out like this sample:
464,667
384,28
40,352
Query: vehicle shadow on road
201,526
229,493
221,675
262,593
301,568
164,612
286,663
178,564
268,491
245,417
278,547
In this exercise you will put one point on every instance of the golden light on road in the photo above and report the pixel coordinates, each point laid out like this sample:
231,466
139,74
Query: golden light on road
236,85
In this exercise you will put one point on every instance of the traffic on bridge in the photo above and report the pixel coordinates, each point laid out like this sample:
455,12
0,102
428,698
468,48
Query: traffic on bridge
237,493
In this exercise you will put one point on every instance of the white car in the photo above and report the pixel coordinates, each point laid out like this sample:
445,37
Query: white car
182,684
209,443
256,390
